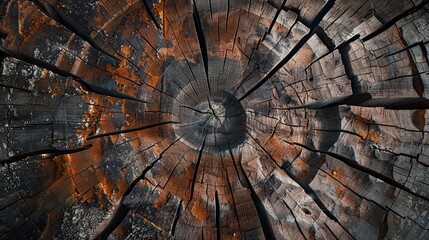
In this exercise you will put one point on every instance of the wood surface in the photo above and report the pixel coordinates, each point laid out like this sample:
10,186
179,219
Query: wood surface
214,119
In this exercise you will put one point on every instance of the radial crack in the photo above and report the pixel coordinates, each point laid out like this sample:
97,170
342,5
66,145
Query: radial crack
317,19
176,218
308,190
194,178
394,20
342,45
87,86
363,169
259,205
121,210
274,19
217,215
130,130
201,40
151,15
46,153
348,68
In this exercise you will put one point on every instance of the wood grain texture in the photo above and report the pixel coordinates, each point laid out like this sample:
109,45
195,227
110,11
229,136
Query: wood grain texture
214,119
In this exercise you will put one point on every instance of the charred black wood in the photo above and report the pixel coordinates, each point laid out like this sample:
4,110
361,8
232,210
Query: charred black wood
45,153
54,13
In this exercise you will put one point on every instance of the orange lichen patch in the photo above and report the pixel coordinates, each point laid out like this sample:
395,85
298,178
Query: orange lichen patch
106,187
98,20
72,171
302,168
133,122
280,29
265,22
119,231
89,159
75,195
54,86
92,117
112,190
297,33
199,211
149,135
362,127
180,42
162,199
107,126
80,162
151,37
189,172
282,151
126,51
136,15
100,195
154,73
304,56
228,41
158,9
136,144
373,136
183,39
121,187
178,187
172,52
154,68
96,117
124,73
36,22
170,37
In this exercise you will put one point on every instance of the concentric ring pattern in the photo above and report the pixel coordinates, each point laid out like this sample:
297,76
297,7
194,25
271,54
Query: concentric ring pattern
214,119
